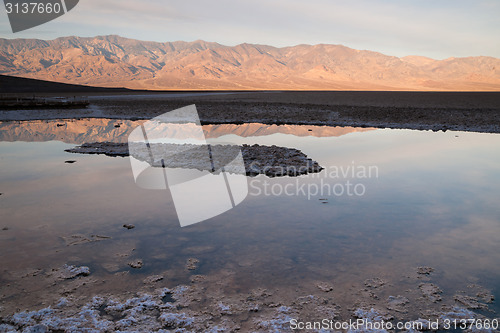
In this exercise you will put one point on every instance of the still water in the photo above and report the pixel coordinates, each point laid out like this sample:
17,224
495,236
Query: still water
388,201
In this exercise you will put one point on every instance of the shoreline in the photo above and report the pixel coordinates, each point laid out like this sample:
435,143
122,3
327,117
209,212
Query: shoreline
473,112
203,303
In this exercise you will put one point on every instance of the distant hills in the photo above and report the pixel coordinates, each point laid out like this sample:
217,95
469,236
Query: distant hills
12,84
113,61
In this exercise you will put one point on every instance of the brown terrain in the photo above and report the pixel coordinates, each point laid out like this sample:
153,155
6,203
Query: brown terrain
461,111
113,61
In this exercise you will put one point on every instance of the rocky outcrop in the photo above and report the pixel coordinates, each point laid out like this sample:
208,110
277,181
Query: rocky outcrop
273,161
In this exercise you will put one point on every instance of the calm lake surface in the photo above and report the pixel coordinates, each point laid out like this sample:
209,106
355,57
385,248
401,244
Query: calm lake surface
416,198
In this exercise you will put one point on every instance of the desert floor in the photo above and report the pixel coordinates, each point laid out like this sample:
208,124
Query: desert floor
465,111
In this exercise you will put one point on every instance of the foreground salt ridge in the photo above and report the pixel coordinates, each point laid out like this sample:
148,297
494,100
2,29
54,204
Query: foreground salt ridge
203,306
272,161
167,310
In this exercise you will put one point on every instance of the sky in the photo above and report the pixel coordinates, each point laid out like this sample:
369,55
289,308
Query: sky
434,28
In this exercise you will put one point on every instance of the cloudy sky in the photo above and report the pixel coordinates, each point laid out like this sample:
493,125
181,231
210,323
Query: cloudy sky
433,28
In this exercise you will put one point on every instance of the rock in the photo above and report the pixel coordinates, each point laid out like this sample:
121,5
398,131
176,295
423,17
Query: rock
76,239
192,264
96,238
431,292
197,278
374,283
136,263
423,270
397,303
224,309
176,320
106,148
33,329
469,302
33,272
152,279
486,296
272,161
69,272
372,315
38,329
5,228
253,308
325,287
457,314
7,328
70,161
82,239
129,226
279,322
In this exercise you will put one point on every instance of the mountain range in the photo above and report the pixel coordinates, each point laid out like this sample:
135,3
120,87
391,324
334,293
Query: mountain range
114,61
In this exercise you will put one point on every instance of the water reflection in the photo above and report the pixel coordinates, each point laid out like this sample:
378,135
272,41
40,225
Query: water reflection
434,202
113,130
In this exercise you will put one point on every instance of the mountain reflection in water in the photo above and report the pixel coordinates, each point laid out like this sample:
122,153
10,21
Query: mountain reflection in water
114,130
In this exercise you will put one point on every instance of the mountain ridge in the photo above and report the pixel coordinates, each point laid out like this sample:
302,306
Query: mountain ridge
115,61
